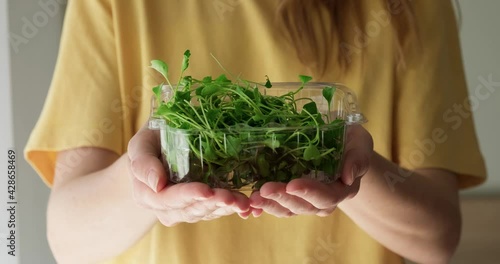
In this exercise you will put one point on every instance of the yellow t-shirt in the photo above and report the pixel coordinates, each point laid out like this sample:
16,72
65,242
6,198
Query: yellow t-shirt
101,91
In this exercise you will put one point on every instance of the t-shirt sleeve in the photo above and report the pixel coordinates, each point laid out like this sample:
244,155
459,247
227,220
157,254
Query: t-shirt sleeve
83,106
434,121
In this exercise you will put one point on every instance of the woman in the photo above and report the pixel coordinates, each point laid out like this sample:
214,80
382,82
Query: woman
111,200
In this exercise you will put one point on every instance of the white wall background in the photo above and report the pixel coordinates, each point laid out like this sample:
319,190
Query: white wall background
481,50
31,69
6,139
32,65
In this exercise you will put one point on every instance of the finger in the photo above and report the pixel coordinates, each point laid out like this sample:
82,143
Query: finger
269,206
320,195
166,220
173,217
223,211
182,195
141,194
246,214
241,203
354,189
257,198
228,202
177,196
296,205
210,217
143,151
326,212
256,212
226,198
200,210
358,150
221,203
186,216
195,212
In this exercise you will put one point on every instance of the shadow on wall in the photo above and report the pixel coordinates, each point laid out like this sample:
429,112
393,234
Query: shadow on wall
35,30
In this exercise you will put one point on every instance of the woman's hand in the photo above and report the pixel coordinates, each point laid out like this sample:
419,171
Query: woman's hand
175,203
309,197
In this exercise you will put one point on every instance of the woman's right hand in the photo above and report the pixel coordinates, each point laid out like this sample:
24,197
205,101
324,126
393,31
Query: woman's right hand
175,203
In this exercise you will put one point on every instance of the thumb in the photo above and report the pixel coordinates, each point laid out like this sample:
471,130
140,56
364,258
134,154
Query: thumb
358,150
143,152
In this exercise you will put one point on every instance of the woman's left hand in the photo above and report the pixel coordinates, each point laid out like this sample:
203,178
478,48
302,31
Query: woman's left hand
309,197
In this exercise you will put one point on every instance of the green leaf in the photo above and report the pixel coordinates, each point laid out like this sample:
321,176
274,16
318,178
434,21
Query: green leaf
328,93
257,97
185,60
249,93
272,143
208,151
213,115
222,79
258,117
157,91
311,108
161,67
311,153
233,146
268,83
163,110
305,79
239,107
207,79
209,90
198,90
319,119
181,96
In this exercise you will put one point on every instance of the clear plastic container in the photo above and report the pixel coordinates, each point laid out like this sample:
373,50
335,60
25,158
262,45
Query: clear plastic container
244,157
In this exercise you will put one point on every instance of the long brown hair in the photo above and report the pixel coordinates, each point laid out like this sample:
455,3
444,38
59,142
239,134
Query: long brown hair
315,45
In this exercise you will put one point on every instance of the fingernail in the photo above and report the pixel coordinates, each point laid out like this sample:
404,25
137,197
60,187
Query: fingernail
153,180
354,175
255,214
273,196
244,216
